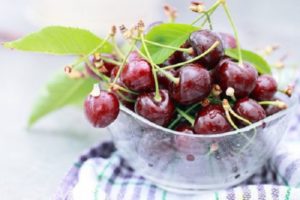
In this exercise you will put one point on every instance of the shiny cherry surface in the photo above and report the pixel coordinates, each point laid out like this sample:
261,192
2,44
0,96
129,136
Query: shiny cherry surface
265,88
249,109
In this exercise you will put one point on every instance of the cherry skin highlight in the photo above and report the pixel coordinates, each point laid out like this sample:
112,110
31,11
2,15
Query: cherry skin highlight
158,112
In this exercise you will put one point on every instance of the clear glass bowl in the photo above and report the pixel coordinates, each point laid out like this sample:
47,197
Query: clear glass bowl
191,163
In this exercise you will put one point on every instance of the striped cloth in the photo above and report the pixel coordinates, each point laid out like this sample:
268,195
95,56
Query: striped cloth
102,174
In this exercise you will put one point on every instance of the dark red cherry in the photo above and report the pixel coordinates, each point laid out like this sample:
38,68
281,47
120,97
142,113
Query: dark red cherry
185,127
137,75
201,41
228,41
249,109
211,120
194,84
101,108
265,88
241,78
160,113
164,82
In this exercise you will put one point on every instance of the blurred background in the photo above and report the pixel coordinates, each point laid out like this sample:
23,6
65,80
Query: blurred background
35,160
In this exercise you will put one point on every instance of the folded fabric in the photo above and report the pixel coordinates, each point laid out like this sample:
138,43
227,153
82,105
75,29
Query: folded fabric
103,174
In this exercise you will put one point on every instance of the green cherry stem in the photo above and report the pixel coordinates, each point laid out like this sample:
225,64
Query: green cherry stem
277,103
210,11
110,60
157,96
193,59
208,20
179,117
228,14
186,50
186,116
117,49
125,98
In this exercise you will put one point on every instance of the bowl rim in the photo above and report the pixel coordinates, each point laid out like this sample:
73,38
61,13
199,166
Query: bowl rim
292,104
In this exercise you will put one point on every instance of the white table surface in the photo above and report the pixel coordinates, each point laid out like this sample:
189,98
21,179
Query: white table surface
33,162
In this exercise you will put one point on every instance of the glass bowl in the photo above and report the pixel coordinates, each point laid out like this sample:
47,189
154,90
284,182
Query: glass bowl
188,163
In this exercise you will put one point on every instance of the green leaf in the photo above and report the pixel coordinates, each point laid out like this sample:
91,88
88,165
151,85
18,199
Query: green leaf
259,62
61,91
168,34
60,41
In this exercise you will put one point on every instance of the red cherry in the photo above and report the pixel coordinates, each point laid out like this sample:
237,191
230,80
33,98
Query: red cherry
241,78
249,109
137,75
101,108
265,88
184,127
228,41
211,120
194,84
160,113
201,41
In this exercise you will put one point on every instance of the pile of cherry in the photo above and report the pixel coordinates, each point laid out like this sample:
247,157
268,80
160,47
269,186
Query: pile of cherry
224,94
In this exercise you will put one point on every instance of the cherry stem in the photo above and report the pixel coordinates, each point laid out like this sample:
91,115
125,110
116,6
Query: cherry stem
117,49
157,96
228,14
164,72
102,76
209,12
179,117
208,20
186,50
193,59
123,63
118,87
110,60
186,116
277,103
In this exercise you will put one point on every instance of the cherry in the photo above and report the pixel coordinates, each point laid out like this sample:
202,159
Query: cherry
241,78
185,127
137,75
249,109
201,41
228,41
211,120
265,88
160,113
101,107
194,84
